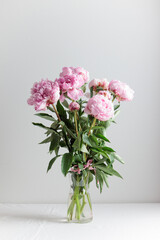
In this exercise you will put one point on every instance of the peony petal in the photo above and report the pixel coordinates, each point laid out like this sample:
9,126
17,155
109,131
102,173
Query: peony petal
75,93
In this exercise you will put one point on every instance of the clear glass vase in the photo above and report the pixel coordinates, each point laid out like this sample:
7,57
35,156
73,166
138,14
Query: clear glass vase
79,202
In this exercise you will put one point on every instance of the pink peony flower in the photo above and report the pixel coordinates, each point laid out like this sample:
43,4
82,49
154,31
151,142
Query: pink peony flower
70,84
105,94
103,83
75,93
77,71
70,81
100,107
122,91
43,94
74,106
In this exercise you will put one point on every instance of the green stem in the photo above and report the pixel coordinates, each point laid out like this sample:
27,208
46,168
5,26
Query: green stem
83,204
77,199
59,119
93,124
79,123
71,208
75,120
88,198
56,112
78,206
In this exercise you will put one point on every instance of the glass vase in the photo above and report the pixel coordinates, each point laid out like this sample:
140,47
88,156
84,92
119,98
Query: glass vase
79,202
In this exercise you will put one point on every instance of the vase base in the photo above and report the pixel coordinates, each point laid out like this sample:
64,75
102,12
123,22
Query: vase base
85,220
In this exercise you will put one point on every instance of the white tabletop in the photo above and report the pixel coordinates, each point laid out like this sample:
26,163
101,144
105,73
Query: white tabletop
110,222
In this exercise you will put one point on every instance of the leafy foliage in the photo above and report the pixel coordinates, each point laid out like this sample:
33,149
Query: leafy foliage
51,162
45,116
67,160
90,142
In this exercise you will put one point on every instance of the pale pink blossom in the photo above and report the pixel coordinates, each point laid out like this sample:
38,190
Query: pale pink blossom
105,94
43,94
71,80
100,107
121,90
75,93
102,92
74,106
76,71
70,84
103,83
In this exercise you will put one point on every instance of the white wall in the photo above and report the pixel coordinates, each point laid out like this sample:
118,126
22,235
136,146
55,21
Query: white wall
118,39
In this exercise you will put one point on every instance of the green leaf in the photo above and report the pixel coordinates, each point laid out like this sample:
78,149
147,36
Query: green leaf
78,158
84,149
65,128
65,104
51,109
111,158
106,124
47,140
62,123
91,92
114,172
86,140
56,150
93,140
98,135
40,125
51,162
66,163
55,141
48,133
84,88
66,139
70,132
116,106
80,165
99,179
61,111
108,149
99,89
83,119
100,151
77,142
114,122
54,125
97,127
45,116
105,178
90,140
62,143
117,157
108,170
90,177
115,115
100,161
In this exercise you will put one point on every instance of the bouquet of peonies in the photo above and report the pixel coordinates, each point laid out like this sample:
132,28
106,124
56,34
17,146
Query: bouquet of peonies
80,127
